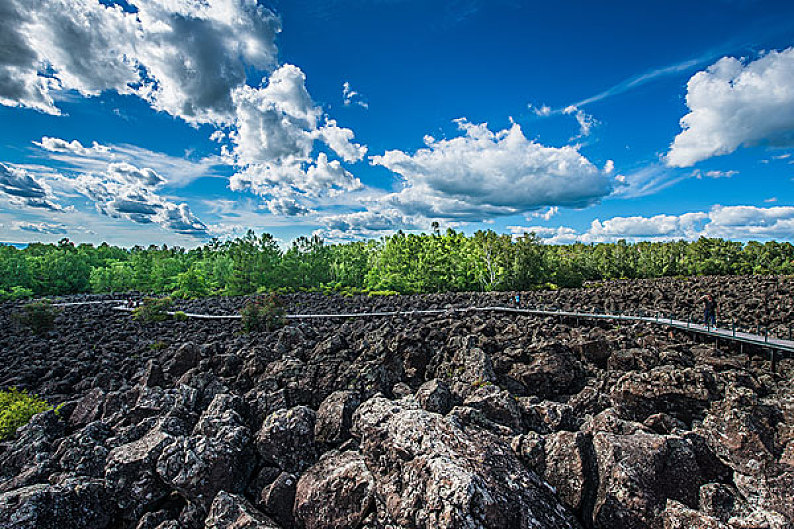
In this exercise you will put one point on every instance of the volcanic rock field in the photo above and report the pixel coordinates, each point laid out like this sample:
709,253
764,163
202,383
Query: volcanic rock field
455,420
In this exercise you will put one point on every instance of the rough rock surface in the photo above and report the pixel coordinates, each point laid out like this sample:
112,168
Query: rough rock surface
458,420
230,511
434,472
337,492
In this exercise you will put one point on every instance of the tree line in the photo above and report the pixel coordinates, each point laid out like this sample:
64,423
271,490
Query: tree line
401,263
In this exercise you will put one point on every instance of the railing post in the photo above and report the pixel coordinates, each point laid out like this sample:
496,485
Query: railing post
766,335
733,324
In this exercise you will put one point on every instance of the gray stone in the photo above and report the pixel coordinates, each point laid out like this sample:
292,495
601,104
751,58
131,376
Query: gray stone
286,439
230,511
335,493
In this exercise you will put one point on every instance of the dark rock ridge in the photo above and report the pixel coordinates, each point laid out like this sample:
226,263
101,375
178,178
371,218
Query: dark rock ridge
478,420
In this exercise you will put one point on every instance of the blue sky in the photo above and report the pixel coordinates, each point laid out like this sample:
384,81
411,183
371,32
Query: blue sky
161,122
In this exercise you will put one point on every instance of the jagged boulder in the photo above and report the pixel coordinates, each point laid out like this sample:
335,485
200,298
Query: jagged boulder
335,416
431,471
198,467
230,511
681,393
286,439
84,452
552,370
76,504
337,492
638,473
277,498
497,405
434,395
131,475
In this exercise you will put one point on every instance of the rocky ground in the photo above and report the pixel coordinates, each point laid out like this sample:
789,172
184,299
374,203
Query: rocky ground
480,420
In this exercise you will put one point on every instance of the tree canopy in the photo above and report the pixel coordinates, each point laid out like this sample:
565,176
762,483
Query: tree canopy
403,262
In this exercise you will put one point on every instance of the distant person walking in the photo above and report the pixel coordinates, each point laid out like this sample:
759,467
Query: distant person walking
709,310
518,300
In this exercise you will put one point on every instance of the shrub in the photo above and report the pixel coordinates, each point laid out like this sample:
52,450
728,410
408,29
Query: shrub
153,309
38,315
262,314
16,409
383,293
180,315
15,293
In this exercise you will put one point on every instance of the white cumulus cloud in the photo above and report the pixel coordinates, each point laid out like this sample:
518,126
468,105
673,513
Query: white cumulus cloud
728,222
734,103
183,57
126,191
483,173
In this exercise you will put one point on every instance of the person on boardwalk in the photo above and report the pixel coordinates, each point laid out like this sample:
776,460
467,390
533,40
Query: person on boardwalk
709,310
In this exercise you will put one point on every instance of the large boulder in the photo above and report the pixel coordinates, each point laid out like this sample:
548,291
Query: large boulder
497,405
230,511
198,467
335,493
681,393
434,395
277,498
84,452
224,410
432,471
32,444
75,503
551,370
742,431
89,409
638,473
286,439
569,468
131,475
335,416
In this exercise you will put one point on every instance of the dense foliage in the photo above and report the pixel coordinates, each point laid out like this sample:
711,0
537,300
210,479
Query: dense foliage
406,263
16,409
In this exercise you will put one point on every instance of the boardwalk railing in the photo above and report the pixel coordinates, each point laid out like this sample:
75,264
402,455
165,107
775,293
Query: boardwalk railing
732,334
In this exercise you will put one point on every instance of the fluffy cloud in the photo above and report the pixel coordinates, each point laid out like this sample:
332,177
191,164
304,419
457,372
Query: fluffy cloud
735,103
273,142
730,222
23,189
188,58
184,57
483,173
672,226
74,147
126,191
372,223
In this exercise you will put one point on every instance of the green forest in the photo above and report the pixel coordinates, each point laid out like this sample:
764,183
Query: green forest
401,263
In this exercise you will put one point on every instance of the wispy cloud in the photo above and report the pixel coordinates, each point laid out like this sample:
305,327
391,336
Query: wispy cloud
647,77
177,171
